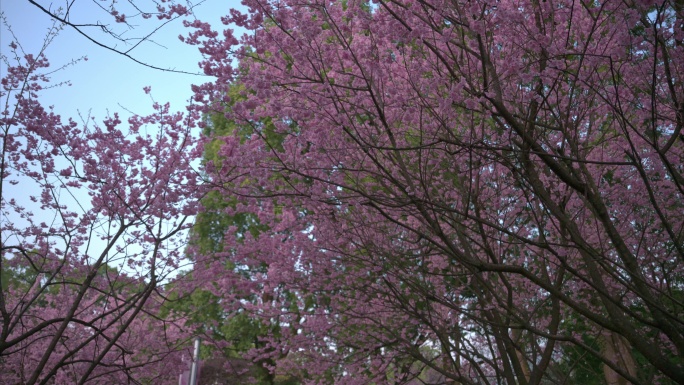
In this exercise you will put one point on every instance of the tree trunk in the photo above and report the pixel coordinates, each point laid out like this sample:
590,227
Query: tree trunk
617,349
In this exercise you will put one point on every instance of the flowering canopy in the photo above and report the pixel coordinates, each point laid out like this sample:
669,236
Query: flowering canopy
480,191
93,222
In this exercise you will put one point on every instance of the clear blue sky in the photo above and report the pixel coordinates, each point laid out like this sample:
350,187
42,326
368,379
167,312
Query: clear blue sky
107,79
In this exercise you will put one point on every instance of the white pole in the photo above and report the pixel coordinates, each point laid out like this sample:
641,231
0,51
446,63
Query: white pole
195,363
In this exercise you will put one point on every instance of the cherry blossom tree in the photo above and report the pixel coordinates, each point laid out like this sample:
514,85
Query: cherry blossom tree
94,223
463,192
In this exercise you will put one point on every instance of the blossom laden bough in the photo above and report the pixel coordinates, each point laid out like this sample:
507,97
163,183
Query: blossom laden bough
94,223
482,191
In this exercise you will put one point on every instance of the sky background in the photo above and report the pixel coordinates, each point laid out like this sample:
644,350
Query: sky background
109,81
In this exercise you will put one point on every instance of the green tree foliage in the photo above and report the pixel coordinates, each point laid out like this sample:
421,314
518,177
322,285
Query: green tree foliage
231,334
